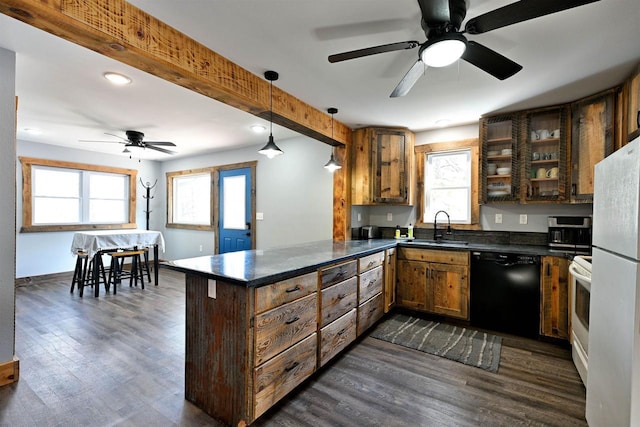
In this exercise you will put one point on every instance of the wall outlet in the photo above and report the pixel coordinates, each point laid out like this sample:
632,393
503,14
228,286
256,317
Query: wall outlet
359,217
259,216
200,248
389,216
498,218
523,218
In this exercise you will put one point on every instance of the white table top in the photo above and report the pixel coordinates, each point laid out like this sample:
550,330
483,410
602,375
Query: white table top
97,240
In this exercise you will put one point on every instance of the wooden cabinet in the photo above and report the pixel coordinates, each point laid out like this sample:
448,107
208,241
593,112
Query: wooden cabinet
632,87
434,281
545,154
389,279
592,139
499,172
382,171
554,305
370,287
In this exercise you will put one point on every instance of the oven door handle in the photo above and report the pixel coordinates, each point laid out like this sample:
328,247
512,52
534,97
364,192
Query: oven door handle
577,275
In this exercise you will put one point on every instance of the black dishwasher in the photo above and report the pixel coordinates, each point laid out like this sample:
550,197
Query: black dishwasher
505,293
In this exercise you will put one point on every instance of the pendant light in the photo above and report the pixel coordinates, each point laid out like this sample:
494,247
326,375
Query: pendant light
332,165
271,150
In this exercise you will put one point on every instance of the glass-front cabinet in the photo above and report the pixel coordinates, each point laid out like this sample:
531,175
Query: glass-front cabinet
499,166
544,151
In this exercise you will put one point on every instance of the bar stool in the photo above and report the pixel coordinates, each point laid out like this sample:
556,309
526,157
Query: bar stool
80,272
117,271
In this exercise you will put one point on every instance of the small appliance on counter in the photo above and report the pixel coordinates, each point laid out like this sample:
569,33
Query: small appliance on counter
570,234
365,232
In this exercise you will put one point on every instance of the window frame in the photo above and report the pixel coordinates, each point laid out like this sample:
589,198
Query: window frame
169,218
421,152
27,192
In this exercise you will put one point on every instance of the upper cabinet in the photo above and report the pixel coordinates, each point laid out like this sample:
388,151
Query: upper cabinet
633,105
592,139
499,172
382,171
544,152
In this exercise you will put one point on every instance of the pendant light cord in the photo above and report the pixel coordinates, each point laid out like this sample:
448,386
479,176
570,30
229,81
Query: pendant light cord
271,109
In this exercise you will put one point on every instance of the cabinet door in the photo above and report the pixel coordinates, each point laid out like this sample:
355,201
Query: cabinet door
390,279
412,285
591,141
499,173
448,290
545,154
633,106
555,297
391,183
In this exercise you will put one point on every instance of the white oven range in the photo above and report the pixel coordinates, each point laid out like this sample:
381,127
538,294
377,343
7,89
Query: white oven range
580,270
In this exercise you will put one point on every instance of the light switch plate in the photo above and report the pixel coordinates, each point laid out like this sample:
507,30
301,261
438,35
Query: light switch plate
389,216
523,218
259,216
498,218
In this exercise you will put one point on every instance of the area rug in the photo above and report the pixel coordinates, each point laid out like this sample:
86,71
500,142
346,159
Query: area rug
463,345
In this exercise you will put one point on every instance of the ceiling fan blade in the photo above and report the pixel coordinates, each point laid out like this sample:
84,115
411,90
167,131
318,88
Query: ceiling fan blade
372,51
166,143
409,79
490,61
91,140
519,11
117,136
162,150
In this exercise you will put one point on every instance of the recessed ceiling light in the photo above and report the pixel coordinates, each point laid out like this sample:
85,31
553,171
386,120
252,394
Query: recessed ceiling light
443,123
258,128
117,79
33,131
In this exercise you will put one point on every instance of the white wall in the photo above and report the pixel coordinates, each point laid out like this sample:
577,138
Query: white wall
536,214
7,208
293,192
50,252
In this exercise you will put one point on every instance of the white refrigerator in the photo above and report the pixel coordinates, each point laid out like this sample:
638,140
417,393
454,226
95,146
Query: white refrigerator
613,388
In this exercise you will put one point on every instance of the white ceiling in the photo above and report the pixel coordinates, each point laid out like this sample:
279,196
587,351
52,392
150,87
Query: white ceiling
565,56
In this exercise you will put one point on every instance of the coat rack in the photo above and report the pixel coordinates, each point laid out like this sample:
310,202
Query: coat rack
148,196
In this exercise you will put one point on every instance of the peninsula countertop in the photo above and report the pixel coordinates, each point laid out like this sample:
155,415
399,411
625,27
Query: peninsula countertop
259,267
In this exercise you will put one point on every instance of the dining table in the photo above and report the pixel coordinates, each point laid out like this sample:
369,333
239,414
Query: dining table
96,242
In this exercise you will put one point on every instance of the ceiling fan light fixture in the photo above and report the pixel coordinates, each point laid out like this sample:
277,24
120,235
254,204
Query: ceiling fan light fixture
117,78
443,51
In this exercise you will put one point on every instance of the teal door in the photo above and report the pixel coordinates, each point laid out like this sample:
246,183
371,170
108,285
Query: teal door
234,211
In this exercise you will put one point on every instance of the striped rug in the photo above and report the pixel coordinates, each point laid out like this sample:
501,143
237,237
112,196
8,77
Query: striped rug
463,345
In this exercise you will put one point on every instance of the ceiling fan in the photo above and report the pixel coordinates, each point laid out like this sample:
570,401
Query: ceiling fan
441,20
135,139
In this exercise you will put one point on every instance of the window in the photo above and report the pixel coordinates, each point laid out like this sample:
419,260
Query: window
60,196
447,180
190,199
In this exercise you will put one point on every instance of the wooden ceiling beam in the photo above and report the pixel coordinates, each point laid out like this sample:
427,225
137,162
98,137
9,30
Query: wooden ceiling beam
125,33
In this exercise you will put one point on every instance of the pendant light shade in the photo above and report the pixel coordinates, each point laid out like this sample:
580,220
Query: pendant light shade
271,150
332,165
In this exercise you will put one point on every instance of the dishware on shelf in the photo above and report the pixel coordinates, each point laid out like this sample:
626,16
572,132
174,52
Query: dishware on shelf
491,168
534,136
554,155
535,156
543,134
503,171
541,173
493,153
507,152
498,193
555,133
552,173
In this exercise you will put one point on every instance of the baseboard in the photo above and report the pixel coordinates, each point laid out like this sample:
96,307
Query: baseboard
9,371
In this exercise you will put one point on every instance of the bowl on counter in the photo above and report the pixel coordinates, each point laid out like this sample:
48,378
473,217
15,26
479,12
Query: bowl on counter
503,171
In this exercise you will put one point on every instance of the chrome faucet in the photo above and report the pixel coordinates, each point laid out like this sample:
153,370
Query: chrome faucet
435,225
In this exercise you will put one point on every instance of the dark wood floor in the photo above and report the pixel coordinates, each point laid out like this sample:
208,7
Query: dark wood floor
119,360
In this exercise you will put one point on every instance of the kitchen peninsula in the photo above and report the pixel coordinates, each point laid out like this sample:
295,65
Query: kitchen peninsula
259,322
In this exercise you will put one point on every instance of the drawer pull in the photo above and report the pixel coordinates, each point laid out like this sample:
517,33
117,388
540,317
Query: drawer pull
373,309
293,366
371,283
290,321
341,332
342,296
295,288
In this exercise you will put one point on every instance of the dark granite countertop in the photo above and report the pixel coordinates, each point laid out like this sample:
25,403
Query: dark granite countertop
259,267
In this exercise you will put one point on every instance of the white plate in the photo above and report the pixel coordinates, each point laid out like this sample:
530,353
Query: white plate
507,151
497,193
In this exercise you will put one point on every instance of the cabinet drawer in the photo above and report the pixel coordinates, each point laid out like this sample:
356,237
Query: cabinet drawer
337,335
283,373
370,283
270,296
338,299
434,255
338,273
370,261
370,312
279,328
